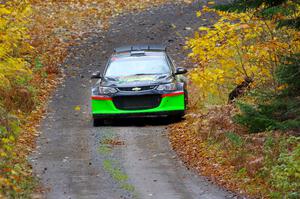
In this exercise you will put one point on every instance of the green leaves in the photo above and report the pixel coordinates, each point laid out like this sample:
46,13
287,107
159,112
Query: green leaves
284,12
282,111
253,119
285,176
235,139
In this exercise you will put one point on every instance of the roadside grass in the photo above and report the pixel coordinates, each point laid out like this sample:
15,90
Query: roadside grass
112,167
114,171
118,175
104,149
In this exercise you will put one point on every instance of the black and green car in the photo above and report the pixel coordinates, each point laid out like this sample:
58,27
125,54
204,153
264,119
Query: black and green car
139,80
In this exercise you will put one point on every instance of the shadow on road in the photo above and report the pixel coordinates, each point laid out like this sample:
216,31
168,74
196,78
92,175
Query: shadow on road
141,122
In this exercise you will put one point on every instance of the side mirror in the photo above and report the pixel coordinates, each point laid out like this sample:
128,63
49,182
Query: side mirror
180,71
96,75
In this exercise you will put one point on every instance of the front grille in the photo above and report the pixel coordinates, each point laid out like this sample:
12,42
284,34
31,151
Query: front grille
139,88
137,102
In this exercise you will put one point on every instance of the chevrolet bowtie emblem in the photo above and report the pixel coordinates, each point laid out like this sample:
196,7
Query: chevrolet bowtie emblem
136,89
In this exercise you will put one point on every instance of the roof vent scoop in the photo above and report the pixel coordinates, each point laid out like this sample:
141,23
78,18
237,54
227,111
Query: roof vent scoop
142,47
137,53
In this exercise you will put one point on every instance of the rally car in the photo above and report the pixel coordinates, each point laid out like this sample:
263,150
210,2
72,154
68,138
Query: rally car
139,80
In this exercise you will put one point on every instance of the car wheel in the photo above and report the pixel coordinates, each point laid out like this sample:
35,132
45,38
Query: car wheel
97,122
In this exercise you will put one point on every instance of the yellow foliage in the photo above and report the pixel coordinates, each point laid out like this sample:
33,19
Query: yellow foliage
14,72
13,37
237,46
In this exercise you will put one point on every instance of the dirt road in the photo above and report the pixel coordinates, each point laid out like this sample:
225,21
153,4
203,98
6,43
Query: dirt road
126,158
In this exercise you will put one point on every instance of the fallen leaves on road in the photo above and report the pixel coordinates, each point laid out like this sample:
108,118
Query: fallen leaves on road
214,146
112,142
77,108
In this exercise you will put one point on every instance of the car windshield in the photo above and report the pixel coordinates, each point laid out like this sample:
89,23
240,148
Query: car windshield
142,65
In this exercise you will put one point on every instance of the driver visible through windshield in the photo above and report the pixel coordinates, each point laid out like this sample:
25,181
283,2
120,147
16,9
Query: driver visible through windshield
137,65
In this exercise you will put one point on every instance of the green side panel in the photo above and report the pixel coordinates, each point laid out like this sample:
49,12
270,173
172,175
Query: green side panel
171,103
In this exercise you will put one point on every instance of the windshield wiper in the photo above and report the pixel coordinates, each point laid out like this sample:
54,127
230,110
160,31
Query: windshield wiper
148,74
111,78
141,74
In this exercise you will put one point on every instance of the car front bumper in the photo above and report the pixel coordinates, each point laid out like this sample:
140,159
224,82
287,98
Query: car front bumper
170,104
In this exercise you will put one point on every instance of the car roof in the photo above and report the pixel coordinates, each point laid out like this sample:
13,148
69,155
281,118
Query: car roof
138,52
140,47
138,55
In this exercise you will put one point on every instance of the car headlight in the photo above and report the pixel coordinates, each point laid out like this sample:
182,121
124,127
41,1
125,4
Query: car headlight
107,90
167,87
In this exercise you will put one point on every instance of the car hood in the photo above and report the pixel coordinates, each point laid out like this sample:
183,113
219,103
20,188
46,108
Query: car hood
136,80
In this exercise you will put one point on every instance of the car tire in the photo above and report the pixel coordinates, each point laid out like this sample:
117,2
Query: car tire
97,122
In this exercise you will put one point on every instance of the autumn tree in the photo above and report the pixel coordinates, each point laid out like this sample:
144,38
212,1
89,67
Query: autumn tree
238,47
281,109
